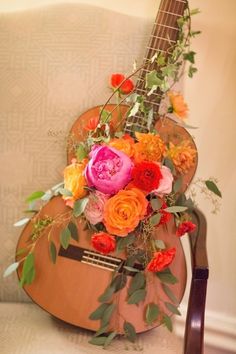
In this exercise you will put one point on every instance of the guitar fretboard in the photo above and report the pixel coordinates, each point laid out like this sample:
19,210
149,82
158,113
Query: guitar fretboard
163,38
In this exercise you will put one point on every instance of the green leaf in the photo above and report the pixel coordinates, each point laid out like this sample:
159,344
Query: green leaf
105,116
191,71
107,314
167,322
137,282
119,282
169,70
130,332
166,276
98,340
168,163
53,252
109,339
189,56
195,33
34,196
65,238
137,296
161,60
81,152
155,219
65,192
181,199
213,188
172,308
28,271
79,206
169,293
107,294
101,330
152,313
175,209
131,269
10,269
155,204
160,244
177,185
98,313
21,222
194,12
73,230
21,251
152,79
125,241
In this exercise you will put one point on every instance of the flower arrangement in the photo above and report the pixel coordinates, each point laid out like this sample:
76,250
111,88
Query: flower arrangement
125,187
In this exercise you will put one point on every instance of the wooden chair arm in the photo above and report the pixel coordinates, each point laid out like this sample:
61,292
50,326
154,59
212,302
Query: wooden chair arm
194,329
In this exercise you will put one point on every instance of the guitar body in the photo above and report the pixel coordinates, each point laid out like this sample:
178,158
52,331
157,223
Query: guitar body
70,289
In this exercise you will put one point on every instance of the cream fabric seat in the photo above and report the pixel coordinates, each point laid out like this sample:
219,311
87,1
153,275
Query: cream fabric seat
55,63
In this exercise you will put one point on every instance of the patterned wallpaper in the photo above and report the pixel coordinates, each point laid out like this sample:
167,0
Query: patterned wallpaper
54,64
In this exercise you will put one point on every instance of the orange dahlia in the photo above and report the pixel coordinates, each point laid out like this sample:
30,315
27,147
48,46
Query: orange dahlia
149,147
124,145
123,212
183,156
178,105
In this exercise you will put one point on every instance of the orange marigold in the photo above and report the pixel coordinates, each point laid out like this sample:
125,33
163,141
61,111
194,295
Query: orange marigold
123,212
149,147
179,107
74,180
124,145
183,156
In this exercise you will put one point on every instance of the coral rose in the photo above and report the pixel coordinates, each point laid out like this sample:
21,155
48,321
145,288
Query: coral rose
178,106
150,147
95,207
125,145
123,212
103,242
109,169
165,215
161,260
74,181
126,87
184,227
146,176
165,185
183,156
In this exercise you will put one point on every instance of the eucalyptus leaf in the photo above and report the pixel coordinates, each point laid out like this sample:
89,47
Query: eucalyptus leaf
111,336
172,308
98,313
101,330
155,204
53,252
98,340
168,163
137,296
47,196
160,244
152,313
125,241
65,238
73,231
155,219
130,332
119,282
34,196
166,276
79,206
131,269
10,269
167,322
109,291
28,271
107,314
21,222
137,282
169,293
213,188
177,185
65,192
176,209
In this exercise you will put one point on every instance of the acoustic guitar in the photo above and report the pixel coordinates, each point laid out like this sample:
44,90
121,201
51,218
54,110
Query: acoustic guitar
69,289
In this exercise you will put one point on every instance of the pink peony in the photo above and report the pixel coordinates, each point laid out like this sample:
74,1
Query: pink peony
108,170
95,207
165,186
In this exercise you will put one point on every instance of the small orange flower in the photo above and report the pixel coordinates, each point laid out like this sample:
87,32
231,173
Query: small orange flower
149,147
126,87
125,145
179,107
182,155
92,123
123,212
74,180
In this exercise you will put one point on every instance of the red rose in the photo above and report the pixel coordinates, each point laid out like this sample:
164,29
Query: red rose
165,216
103,242
186,226
161,260
146,176
126,87
92,123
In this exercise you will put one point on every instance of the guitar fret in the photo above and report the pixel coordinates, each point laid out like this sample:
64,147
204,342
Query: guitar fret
170,13
91,253
153,103
98,261
156,94
98,266
164,39
158,50
166,26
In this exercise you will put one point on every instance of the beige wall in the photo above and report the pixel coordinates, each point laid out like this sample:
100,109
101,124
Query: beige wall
212,99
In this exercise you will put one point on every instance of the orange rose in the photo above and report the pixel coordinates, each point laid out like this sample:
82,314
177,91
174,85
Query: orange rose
123,212
124,145
150,147
178,106
74,180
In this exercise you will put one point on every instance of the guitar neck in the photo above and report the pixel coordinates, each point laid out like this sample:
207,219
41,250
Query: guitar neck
163,38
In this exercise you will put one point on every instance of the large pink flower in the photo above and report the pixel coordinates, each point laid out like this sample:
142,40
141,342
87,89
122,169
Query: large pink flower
165,185
95,207
108,170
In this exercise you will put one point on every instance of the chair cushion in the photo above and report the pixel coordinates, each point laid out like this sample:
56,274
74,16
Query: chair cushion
26,329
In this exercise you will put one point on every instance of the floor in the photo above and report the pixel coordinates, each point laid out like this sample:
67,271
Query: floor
210,350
